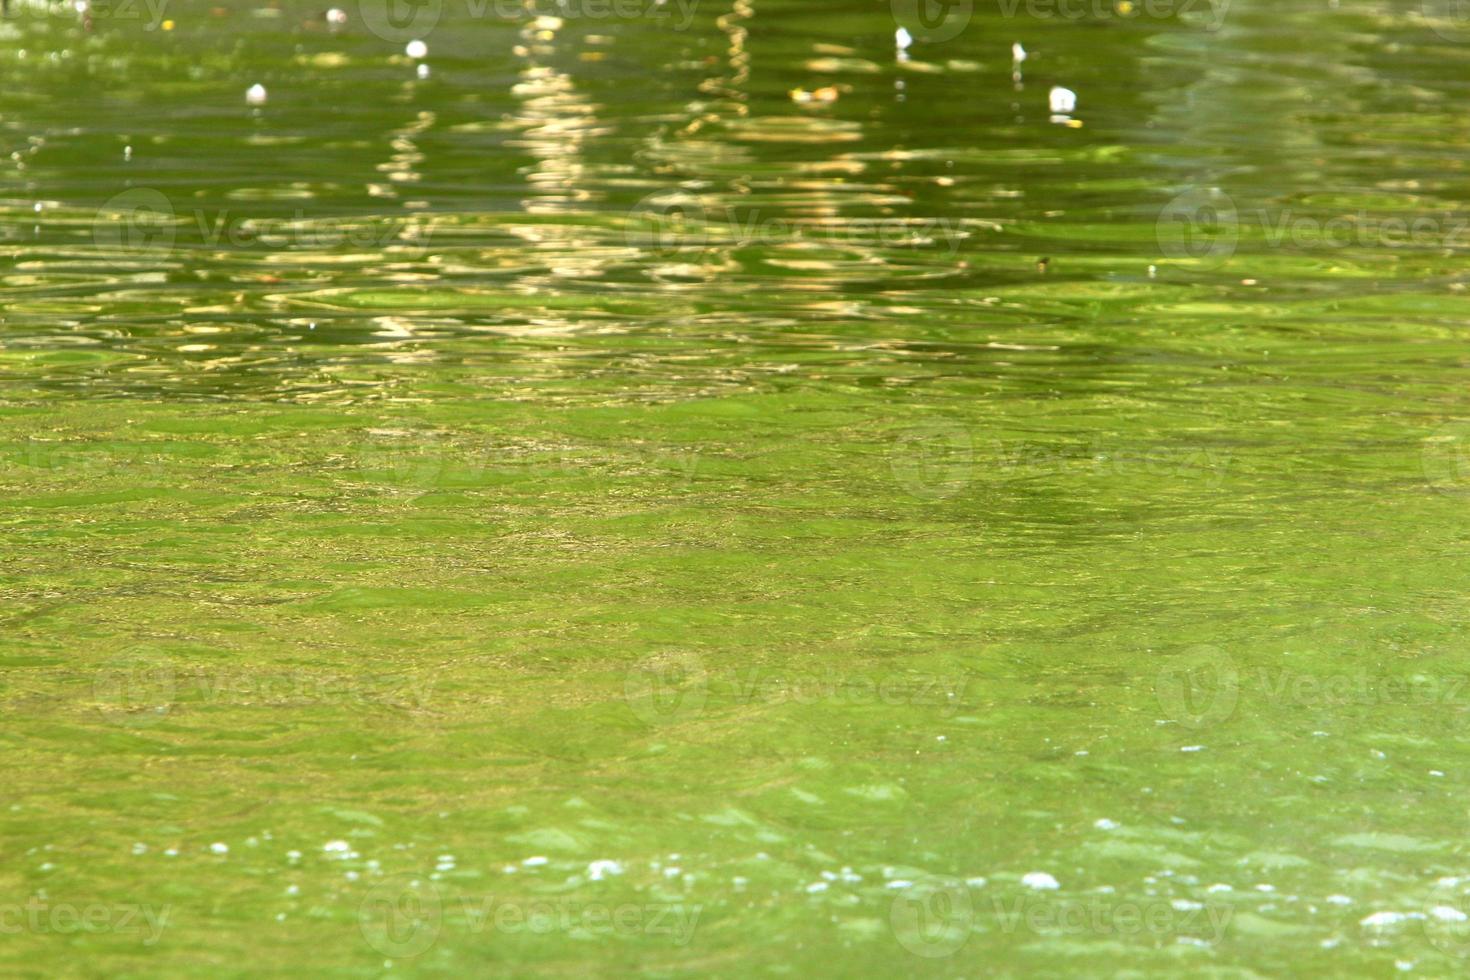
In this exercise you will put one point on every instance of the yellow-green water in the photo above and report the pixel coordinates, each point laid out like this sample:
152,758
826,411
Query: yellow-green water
588,511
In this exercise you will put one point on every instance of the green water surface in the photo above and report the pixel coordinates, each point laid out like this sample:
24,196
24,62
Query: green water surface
589,511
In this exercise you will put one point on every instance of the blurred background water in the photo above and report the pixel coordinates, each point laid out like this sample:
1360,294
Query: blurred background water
698,488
